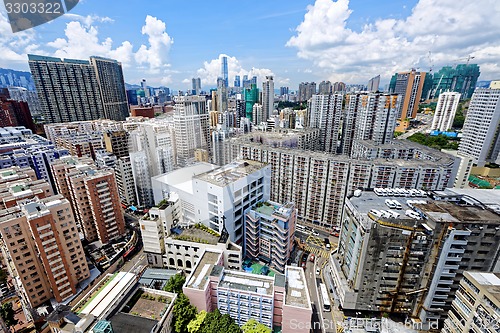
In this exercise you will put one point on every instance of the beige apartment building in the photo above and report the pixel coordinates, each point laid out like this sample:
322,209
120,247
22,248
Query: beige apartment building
41,245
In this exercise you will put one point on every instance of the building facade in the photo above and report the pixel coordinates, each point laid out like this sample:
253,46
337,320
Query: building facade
325,112
410,85
446,109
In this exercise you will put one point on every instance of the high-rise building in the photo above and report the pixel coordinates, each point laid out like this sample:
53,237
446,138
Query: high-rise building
111,83
374,84
446,109
268,97
191,125
117,142
77,90
284,91
325,88
476,304
237,81
222,95
258,114
325,113
480,134
368,116
339,87
251,97
270,233
461,79
15,113
410,85
196,85
42,247
224,70
145,88
411,263
25,95
125,181
306,90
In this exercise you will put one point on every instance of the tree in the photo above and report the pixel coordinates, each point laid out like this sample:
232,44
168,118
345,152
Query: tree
3,276
458,121
195,324
7,314
215,323
174,285
184,312
253,326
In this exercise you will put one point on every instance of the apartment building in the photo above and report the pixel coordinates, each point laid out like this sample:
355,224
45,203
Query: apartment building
125,181
217,197
412,86
476,307
446,109
15,191
410,260
42,247
117,142
273,301
269,233
325,112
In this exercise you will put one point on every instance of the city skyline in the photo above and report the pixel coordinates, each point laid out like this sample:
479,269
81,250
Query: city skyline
349,41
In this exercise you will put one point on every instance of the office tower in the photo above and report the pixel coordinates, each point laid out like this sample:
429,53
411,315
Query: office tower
461,78
284,91
410,85
222,95
125,181
476,304
251,97
132,97
258,114
111,83
279,301
43,248
237,82
68,90
325,113
411,264
224,71
270,233
253,80
445,111
145,88
196,85
191,125
374,84
268,97
480,138
325,88
368,116
116,142
339,87
306,90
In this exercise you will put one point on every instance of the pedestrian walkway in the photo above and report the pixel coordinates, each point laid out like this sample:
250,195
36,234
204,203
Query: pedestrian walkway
315,241
317,251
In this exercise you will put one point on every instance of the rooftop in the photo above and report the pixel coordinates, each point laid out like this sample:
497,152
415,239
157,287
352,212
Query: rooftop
249,282
443,211
296,293
489,281
154,275
182,179
232,172
203,269
198,234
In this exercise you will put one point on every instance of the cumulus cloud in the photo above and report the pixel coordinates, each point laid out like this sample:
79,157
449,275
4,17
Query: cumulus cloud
212,70
450,29
155,55
14,46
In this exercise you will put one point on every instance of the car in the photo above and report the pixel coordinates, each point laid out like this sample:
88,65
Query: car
317,271
315,233
336,234
311,258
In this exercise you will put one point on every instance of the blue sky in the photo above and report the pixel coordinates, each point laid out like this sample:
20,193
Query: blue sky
169,42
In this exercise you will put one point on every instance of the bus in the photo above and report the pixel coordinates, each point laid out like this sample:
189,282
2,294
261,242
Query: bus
325,297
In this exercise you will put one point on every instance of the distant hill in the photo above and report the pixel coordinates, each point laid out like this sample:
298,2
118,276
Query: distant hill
10,77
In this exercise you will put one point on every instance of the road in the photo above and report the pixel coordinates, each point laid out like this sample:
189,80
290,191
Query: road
426,124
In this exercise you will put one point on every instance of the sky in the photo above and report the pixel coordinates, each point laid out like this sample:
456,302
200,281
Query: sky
169,42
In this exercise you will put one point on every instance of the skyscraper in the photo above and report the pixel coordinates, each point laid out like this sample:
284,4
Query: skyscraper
284,91
196,85
268,97
481,130
191,127
251,97
325,88
410,85
306,90
237,82
325,113
68,90
111,84
224,70
445,111
373,84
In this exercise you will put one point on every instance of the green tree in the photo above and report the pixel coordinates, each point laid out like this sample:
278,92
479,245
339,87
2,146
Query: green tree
3,276
174,285
184,312
253,326
215,323
195,324
7,314
458,121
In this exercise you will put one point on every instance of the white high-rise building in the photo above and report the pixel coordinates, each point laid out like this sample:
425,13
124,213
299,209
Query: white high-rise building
446,109
192,126
481,129
258,114
268,97
325,113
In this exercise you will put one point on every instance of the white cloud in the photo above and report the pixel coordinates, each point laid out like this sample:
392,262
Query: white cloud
450,29
14,46
212,70
156,54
